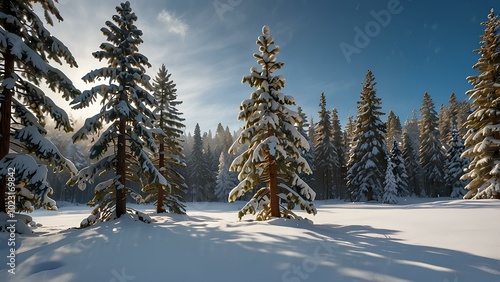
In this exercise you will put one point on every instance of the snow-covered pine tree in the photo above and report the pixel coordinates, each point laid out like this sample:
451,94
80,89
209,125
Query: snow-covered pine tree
210,171
454,166
170,159
308,155
274,144
412,127
368,159
431,156
311,134
399,170
482,139
339,171
412,165
444,128
349,134
394,130
28,51
326,158
390,185
225,181
464,109
126,111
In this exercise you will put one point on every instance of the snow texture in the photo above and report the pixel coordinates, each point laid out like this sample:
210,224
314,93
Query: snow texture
363,242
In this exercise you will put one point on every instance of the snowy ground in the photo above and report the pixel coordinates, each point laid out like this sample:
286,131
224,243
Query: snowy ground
436,240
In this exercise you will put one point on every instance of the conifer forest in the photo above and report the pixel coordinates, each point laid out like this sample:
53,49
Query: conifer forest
111,170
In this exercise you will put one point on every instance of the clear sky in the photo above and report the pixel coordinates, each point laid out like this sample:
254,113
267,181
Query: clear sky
411,46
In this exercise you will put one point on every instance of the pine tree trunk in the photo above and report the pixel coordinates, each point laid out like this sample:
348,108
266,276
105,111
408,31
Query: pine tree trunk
5,111
273,182
121,195
159,203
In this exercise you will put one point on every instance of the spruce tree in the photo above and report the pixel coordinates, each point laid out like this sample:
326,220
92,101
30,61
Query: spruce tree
196,167
308,155
399,170
394,130
390,185
210,166
274,144
28,53
326,158
431,155
339,169
411,161
368,159
483,136
124,145
454,167
170,158
225,182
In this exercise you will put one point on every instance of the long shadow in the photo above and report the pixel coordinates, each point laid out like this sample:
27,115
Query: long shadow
364,253
244,251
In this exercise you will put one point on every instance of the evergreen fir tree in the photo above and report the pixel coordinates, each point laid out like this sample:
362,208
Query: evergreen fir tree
274,144
394,130
209,172
368,159
124,146
444,122
339,170
411,161
454,167
464,110
28,51
308,155
483,136
196,167
412,127
326,158
349,135
431,156
390,185
399,170
225,182
170,159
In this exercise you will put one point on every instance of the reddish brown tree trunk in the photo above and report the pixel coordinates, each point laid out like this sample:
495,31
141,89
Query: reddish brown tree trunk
121,168
5,111
273,182
159,204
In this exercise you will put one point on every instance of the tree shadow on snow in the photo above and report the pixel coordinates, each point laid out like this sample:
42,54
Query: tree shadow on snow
364,253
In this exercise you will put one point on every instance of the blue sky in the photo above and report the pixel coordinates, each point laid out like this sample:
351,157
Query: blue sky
413,47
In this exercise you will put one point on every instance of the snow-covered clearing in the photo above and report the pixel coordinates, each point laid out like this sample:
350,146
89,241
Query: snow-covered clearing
418,240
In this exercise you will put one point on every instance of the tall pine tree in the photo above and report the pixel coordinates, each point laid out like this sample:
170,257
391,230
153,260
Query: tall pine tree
431,156
399,170
124,145
368,159
196,167
326,158
170,158
412,165
28,51
274,144
339,169
454,167
483,136
394,130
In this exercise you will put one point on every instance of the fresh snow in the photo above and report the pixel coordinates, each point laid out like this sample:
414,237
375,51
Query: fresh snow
417,240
